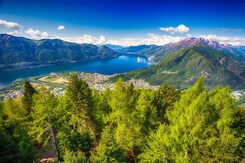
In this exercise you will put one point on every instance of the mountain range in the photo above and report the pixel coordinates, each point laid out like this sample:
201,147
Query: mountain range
181,64
19,51
157,52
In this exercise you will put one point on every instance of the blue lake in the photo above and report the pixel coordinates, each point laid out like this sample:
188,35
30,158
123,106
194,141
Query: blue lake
124,63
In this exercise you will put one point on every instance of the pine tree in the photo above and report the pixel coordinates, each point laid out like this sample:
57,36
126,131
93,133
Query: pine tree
127,130
108,150
41,128
15,144
14,111
200,129
27,96
164,99
75,142
239,127
146,113
77,129
74,157
79,102
101,108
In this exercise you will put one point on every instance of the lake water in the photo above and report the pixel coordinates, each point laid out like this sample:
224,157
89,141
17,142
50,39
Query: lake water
124,63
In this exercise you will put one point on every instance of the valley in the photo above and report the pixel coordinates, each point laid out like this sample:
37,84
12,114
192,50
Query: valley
181,64
122,81
57,83
177,64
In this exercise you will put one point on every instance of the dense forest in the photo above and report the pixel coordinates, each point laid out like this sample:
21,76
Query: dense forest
123,125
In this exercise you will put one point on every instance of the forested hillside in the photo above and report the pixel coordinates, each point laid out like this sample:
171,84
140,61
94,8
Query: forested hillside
19,51
123,125
156,53
183,67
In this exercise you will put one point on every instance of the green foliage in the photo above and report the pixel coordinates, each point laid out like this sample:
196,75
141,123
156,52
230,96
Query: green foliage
183,67
14,111
156,147
15,144
164,99
79,105
200,129
124,125
74,157
108,150
101,108
74,141
146,112
18,50
123,117
239,127
27,96
76,126
43,104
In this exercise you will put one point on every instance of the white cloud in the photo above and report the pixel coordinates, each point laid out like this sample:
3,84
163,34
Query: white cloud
148,40
61,27
85,39
225,40
11,25
180,29
37,33
14,33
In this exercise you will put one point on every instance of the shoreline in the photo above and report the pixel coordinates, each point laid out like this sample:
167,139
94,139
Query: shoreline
29,65
57,83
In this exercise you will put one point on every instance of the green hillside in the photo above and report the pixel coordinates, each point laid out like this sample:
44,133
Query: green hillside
182,68
18,50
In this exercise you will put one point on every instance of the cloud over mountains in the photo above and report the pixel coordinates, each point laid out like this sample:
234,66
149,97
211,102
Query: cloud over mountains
11,25
16,29
225,40
37,33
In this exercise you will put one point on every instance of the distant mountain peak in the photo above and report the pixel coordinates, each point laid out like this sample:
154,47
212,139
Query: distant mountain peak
181,67
195,41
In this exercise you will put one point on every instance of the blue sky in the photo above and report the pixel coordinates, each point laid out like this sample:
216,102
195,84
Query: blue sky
125,22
